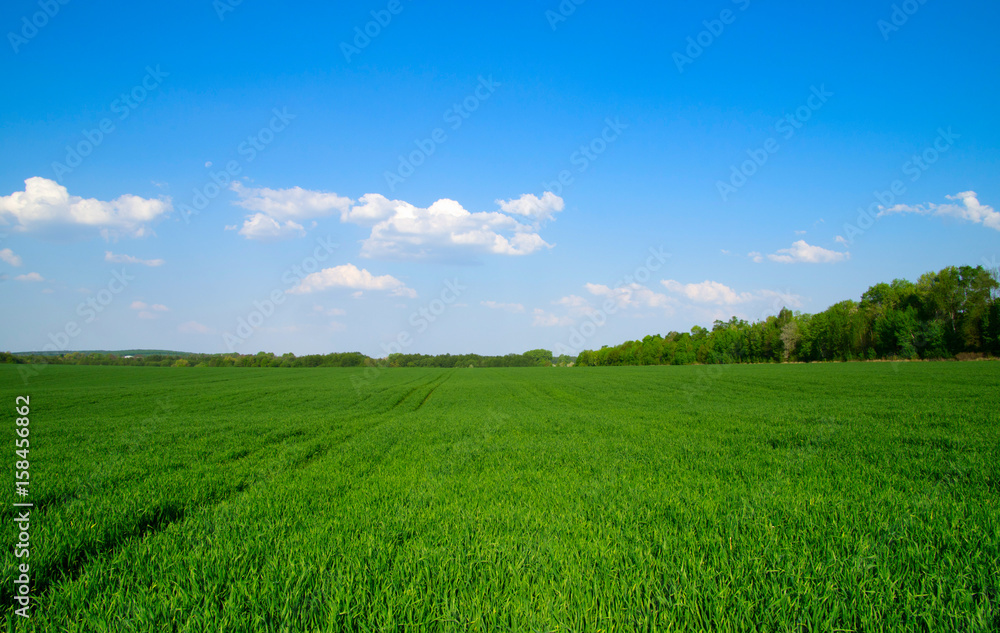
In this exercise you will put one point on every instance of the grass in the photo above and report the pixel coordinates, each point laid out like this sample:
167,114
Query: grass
851,497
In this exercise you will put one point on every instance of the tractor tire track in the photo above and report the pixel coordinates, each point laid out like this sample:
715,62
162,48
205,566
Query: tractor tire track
433,389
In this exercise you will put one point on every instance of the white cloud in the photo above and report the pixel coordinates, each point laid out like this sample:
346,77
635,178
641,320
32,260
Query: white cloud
575,305
156,307
45,205
146,315
399,229
572,301
128,259
708,292
410,232
372,209
266,229
714,300
630,295
801,252
350,276
840,239
755,257
968,209
30,277
279,212
330,312
547,319
508,307
8,256
193,327
530,205
787,299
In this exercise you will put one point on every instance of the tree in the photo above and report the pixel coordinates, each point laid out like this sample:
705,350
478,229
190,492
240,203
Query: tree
539,357
790,337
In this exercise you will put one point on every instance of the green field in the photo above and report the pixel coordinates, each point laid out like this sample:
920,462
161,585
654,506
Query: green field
823,497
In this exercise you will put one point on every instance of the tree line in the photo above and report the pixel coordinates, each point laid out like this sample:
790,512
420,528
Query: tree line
951,313
533,358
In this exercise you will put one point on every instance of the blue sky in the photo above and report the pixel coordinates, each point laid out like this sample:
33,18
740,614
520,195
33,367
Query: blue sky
401,190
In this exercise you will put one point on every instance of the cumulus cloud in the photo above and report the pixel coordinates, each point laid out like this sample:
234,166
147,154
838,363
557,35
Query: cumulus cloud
507,307
400,229
291,204
141,305
631,295
266,229
840,239
30,277
371,209
547,319
350,276
755,257
128,259
572,301
801,252
714,293
279,212
193,327
330,312
45,205
708,292
530,205
706,301
575,305
785,299
410,232
8,256
968,209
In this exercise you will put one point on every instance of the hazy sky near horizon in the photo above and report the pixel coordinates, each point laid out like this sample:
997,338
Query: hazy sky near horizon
395,175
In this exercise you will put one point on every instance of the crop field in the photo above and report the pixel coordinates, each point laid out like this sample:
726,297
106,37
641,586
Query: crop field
823,497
